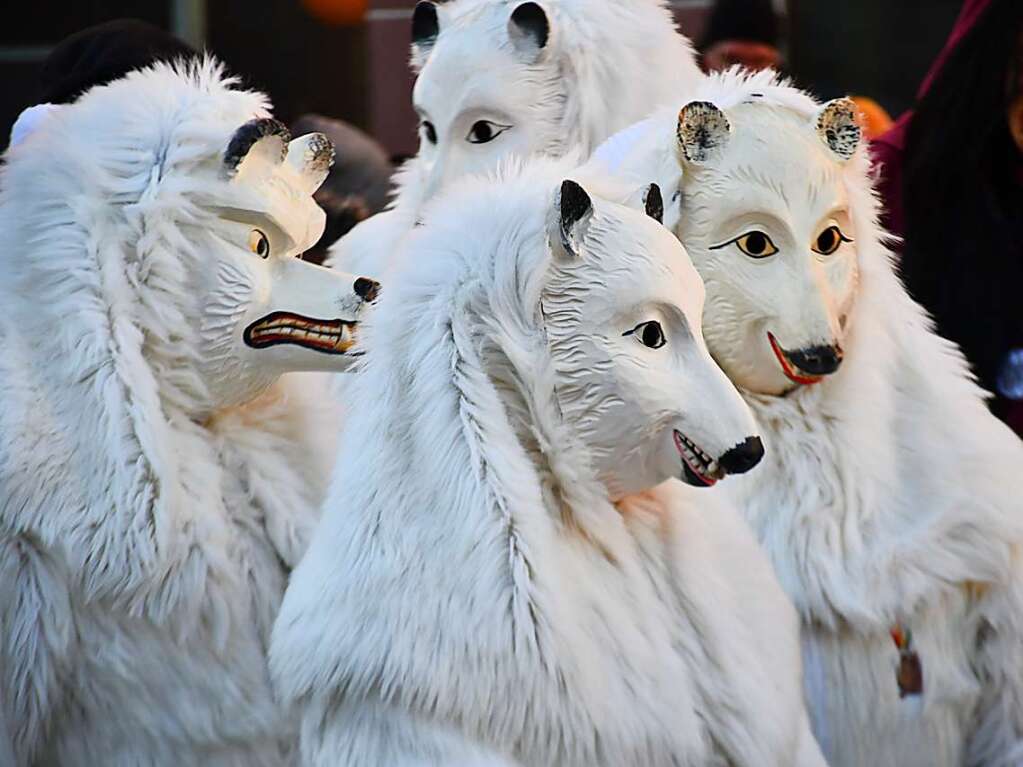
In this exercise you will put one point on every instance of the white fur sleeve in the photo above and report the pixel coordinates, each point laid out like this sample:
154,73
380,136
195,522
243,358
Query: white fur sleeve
997,733
35,616
366,734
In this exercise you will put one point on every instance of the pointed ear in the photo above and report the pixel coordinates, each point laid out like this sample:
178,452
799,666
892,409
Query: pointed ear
838,126
529,30
653,203
649,200
425,24
255,147
703,132
573,210
311,156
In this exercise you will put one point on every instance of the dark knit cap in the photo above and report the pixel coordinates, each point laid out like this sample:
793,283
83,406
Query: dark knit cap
748,20
104,53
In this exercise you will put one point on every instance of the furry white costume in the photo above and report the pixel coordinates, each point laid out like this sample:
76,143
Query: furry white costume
498,78
158,479
473,595
891,500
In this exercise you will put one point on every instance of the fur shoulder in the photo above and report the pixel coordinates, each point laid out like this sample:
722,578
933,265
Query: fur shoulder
98,460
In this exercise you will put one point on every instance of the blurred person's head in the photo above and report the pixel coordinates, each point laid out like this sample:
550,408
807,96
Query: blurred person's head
358,185
103,53
963,188
95,56
743,32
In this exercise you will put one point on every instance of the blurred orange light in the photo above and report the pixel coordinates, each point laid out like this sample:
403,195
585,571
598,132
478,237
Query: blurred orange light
340,12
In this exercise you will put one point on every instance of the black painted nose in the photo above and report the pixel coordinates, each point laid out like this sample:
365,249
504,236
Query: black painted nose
367,289
817,360
743,456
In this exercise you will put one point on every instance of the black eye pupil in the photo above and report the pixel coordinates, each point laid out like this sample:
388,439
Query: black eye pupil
828,240
482,132
651,335
756,243
264,247
430,131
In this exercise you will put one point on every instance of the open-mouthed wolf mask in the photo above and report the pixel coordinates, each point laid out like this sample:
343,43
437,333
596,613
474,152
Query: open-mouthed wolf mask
622,315
266,311
171,202
499,77
764,181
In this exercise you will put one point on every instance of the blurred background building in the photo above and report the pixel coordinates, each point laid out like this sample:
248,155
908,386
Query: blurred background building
348,58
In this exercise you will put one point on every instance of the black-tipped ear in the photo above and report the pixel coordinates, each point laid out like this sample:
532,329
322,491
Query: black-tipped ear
702,133
653,203
425,24
529,29
839,127
256,132
574,210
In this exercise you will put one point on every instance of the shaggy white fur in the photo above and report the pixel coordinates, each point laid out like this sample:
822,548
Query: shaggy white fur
146,533
602,66
472,596
890,498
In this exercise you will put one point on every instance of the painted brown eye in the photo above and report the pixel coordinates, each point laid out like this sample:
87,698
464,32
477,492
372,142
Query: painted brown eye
484,131
650,334
259,244
429,132
829,241
756,245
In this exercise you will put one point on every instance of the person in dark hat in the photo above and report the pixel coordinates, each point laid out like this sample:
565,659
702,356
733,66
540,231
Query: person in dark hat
95,56
744,32
105,52
951,180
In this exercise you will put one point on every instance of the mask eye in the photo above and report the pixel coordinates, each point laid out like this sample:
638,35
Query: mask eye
649,334
484,131
756,245
259,244
829,241
429,132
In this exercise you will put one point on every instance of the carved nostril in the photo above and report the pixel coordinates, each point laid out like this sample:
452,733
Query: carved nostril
743,456
367,289
817,360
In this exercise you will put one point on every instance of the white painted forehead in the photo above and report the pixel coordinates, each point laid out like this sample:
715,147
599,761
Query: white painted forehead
661,254
462,56
777,147
278,195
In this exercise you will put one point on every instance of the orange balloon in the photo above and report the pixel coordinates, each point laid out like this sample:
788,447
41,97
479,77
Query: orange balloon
340,12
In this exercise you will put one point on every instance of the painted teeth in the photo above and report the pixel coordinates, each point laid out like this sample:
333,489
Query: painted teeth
326,336
692,452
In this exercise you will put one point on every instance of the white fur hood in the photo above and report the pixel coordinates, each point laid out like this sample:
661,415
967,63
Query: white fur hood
444,589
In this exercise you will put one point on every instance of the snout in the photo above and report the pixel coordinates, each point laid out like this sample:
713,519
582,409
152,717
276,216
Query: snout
742,457
366,289
817,360
310,318
808,365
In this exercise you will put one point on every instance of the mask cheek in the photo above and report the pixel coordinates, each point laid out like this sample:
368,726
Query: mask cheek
844,285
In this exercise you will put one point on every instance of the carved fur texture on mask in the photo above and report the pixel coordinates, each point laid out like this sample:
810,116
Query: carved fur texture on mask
518,616
149,514
889,496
